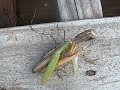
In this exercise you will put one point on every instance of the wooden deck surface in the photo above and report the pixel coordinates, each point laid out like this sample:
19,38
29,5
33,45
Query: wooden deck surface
21,49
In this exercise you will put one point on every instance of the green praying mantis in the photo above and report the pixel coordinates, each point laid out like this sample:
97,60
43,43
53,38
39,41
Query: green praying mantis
63,54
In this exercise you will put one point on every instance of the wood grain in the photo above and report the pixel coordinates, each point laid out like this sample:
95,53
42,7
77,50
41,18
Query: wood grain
79,9
111,8
67,10
7,13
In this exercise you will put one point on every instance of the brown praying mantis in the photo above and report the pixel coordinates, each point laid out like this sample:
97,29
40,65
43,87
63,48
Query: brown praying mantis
62,54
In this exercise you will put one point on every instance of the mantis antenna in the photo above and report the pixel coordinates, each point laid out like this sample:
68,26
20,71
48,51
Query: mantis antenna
44,34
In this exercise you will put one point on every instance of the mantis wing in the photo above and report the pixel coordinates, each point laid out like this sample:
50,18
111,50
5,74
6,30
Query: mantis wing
52,64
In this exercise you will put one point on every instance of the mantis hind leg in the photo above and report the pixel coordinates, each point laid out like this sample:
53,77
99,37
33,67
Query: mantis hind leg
87,59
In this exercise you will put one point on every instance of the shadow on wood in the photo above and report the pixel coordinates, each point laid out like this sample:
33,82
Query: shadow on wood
7,13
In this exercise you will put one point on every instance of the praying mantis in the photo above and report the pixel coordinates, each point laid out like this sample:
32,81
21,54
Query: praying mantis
63,54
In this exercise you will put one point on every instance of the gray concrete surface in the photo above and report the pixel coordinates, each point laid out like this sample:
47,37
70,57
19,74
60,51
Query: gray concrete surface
22,48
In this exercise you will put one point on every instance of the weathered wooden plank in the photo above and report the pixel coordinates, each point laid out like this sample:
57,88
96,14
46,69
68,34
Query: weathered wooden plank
7,13
79,9
111,8
89,9
67,10
21,49
36,11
